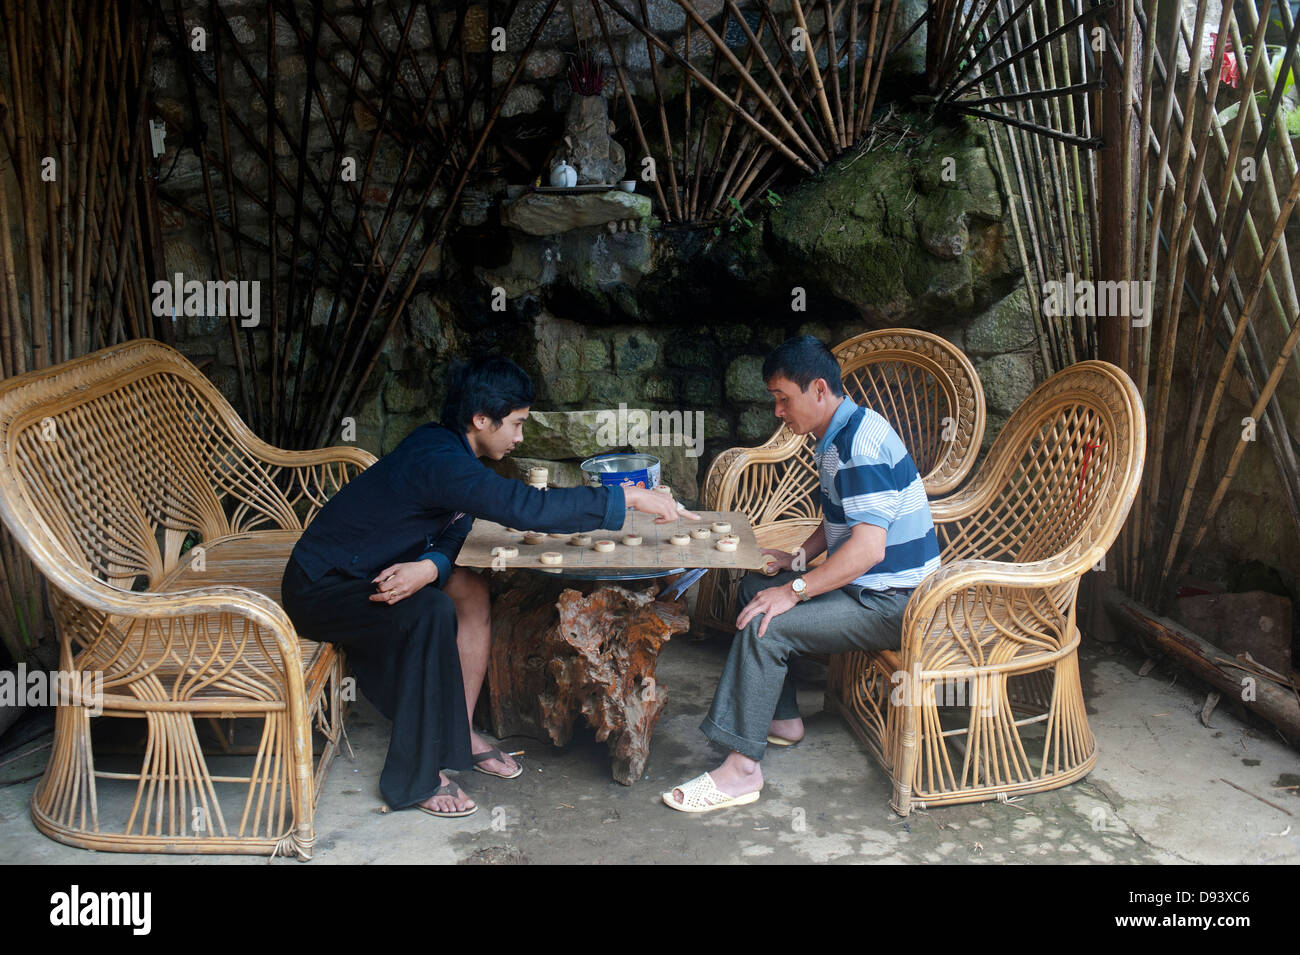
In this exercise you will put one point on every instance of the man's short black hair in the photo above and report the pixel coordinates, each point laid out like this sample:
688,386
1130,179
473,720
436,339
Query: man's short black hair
803,359
493,386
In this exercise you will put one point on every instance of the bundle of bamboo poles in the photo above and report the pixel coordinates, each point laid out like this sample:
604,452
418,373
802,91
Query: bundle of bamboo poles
1220,192
1213,193
72,191
324,235
1030,70
784,96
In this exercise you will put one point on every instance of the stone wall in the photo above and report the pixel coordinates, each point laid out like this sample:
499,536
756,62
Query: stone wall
672,319
611,306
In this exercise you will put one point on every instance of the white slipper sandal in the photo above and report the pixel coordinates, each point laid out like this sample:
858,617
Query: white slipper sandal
701,794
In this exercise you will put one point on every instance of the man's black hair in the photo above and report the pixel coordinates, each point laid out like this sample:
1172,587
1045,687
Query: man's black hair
803,359
493,386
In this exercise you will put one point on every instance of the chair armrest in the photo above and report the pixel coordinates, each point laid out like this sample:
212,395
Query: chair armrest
1053,570
985,612
340,453
303,476
723,481
220,600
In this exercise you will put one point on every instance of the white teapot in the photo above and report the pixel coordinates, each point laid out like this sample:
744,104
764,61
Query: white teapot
563,175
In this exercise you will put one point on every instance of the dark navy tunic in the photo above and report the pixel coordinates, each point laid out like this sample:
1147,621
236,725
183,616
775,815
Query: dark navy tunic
419,500
416,502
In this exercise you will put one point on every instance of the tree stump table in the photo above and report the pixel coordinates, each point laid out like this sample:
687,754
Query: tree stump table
563,647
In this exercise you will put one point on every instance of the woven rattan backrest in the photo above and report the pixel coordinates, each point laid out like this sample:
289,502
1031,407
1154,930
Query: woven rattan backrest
785,489
111,460
1061,475
923,385
928,390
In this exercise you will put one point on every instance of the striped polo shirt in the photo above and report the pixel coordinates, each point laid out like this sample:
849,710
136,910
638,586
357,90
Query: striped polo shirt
867,477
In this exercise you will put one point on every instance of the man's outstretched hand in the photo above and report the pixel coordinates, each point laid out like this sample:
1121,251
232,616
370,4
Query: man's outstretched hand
662,506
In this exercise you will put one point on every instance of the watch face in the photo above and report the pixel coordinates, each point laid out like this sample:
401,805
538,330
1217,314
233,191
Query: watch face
799,585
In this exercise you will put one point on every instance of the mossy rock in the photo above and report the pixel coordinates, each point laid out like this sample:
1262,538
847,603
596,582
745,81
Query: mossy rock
635,351
901,233
1008,325
745,379
755,425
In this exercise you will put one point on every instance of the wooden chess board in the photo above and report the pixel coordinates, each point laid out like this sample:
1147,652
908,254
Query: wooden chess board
654,553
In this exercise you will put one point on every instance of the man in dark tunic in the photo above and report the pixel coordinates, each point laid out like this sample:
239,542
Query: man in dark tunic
374,573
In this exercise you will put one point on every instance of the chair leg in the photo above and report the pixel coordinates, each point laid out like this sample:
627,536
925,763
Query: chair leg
905,768
1070,744
67,794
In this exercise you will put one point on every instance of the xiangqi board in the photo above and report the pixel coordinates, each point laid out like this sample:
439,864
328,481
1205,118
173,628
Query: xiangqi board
654,552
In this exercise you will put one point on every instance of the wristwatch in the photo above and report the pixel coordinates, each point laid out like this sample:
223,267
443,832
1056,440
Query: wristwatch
800,588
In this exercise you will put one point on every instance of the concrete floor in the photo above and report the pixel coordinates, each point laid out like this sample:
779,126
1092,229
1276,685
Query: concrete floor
1157,795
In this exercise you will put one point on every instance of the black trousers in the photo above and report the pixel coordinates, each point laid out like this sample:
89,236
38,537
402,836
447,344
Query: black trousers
405,661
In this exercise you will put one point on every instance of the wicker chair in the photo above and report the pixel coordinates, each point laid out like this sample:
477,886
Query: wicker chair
107,464
984,701
923,385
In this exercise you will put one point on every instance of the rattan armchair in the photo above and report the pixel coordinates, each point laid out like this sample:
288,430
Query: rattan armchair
107,464
922,384
983,700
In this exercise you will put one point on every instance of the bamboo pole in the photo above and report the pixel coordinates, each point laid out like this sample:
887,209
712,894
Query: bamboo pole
1242,213
869,103
1220,384
1044,269
1202,341
756,49
663,117
821,105
744,74
134,148
852,128
686,117
860,118
1168,324
436,233
833,66
697,176
1279,452
712,88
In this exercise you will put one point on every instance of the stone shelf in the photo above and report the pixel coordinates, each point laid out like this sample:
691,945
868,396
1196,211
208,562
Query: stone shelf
540,213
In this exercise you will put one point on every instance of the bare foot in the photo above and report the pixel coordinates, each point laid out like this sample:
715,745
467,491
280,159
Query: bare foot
737,776
787,729
455,803
477,744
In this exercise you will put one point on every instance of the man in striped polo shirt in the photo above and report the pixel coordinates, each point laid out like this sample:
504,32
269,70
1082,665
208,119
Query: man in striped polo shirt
880,543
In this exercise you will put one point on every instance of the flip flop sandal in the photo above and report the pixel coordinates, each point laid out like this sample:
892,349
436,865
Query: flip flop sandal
781,741
490,754
701,794
451,789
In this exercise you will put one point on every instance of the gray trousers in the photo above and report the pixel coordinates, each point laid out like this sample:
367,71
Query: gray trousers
756,686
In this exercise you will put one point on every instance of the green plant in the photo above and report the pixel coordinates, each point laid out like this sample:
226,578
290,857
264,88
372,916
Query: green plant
737,220
1289,108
